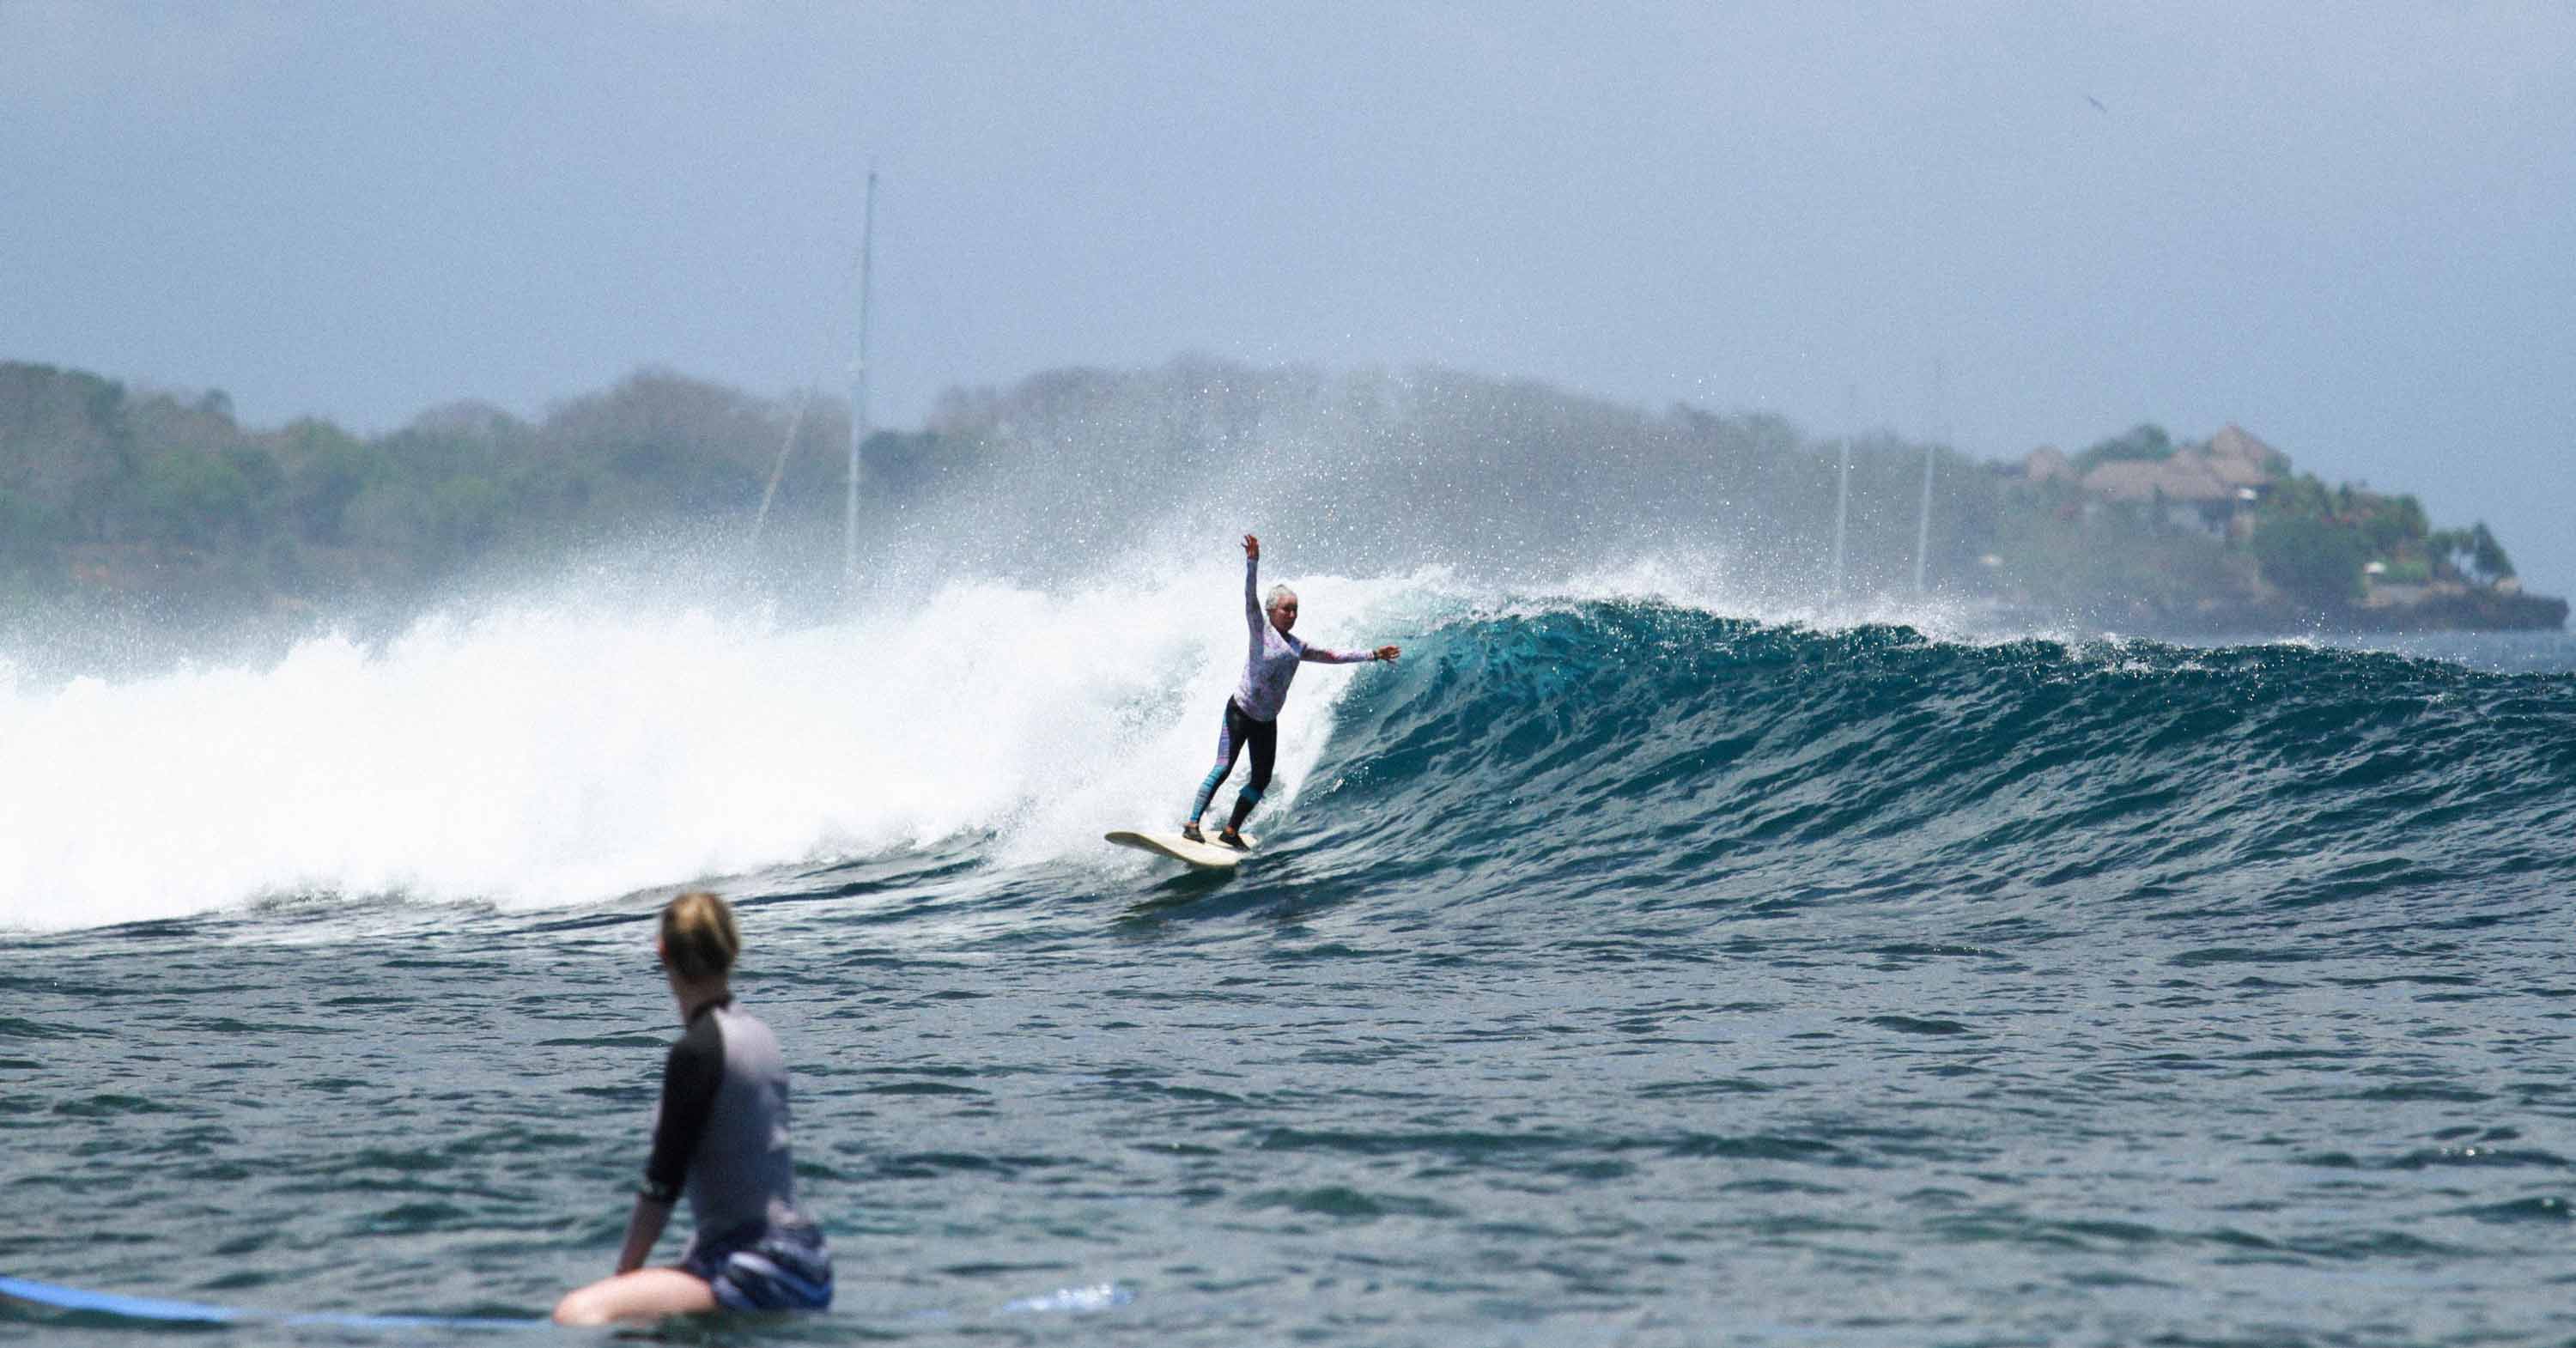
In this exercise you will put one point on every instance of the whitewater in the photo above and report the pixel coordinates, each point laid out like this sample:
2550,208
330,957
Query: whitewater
542,751
1639,960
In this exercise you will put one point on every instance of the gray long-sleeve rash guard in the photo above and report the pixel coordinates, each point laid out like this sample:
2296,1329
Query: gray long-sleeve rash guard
722,1133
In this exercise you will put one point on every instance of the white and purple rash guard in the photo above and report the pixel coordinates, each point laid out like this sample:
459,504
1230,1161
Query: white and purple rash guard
1274,655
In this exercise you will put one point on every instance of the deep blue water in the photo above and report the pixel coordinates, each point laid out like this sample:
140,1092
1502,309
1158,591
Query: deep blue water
1613,973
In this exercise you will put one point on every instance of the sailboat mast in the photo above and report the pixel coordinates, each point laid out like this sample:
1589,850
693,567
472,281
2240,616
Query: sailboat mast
1923,523
1940,432
1842,484
859,391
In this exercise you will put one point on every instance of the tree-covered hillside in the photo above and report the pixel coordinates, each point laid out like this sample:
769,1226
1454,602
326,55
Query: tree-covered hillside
164,505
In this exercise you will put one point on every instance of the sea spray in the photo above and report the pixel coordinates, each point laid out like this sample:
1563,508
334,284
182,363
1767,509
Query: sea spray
547,752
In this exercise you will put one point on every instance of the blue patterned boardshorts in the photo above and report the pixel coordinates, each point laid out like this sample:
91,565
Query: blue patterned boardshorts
765,1268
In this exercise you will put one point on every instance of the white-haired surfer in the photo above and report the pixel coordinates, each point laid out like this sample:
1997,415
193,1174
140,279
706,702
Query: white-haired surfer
1252,714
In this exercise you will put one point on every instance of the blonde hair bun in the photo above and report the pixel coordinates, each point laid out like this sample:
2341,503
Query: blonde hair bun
699,937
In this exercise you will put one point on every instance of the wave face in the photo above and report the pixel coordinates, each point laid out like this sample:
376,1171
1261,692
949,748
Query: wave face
1692,759
1526,752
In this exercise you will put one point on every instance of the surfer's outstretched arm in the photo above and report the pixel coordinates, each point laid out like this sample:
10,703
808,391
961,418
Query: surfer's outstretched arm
1321,656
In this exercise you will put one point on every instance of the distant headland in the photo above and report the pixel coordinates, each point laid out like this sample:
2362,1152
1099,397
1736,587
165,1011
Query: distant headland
160,508
2266,550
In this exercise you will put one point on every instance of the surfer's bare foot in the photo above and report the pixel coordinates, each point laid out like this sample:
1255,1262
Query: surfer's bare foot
1228,837
1191,832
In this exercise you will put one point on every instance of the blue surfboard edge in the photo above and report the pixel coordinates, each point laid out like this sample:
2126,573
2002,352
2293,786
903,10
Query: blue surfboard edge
1083,1300
165,1310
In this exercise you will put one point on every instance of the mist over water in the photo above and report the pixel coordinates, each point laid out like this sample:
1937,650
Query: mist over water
1372,472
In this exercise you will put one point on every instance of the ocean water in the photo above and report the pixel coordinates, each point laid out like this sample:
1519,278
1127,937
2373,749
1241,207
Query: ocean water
1621,968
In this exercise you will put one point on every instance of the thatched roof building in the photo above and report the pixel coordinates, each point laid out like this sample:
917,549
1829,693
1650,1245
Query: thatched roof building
2207,474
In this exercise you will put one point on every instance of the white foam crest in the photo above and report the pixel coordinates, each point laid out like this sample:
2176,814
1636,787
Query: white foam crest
1715,582
551,753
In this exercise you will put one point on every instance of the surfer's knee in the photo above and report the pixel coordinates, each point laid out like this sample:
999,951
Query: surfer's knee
644,1294
604,1302
584,1307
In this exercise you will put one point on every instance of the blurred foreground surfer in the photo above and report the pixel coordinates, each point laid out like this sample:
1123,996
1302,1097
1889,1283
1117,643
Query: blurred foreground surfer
1252,714
722,1139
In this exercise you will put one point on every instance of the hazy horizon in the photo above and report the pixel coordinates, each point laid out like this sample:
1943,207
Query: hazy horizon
2355,238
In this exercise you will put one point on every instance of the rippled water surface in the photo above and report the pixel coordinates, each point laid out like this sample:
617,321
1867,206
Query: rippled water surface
1615,975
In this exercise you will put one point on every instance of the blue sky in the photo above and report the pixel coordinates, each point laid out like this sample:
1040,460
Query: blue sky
2349,228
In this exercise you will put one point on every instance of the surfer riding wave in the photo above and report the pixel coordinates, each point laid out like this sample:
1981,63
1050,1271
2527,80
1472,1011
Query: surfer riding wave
1252,714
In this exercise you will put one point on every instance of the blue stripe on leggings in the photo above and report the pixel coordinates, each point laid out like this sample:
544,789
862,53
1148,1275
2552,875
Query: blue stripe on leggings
1207,789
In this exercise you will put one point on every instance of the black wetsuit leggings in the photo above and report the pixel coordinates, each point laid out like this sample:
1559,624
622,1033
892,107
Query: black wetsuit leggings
1239,731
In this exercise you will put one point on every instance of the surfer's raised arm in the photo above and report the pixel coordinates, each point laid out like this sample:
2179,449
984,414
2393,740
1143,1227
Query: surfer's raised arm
1252,618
